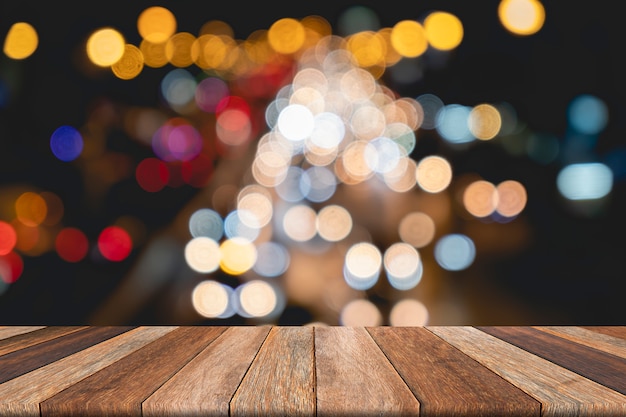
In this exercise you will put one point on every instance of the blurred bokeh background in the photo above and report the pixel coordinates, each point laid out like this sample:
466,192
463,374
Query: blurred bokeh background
349,163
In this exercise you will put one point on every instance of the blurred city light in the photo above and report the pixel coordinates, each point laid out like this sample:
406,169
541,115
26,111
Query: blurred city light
344,170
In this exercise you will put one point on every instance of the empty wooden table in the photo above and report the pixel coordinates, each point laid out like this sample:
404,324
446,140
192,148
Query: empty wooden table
312,370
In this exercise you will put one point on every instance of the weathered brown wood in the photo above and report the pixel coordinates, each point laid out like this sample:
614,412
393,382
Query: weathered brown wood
10,331
615,331
446,381
354,377
25,340
207,383
604,368
560,391
20,397
613,345
272,370
120,388
281,379
20,362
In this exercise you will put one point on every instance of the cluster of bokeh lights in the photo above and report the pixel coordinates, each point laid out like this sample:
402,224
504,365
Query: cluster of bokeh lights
37,227
330,125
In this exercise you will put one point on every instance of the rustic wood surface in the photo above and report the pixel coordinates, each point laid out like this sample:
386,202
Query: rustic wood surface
193,390
22,361
615,331
21,396
25,340
456,385
561,391
312,370
10,331
353,374
604,368
610,344
281,379
120,388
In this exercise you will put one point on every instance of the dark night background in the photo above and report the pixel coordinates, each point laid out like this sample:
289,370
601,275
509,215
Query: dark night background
570,270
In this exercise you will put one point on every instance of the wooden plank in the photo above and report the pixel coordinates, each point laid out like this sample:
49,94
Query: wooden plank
207,383
610,344
21,396
20,362
447,382
120,388
10,331
604,368
560,391
615,331
25,340
355,378
281,379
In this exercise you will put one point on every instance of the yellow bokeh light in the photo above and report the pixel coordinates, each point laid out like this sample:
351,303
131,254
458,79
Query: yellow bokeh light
444,31
214,51
299,223
360,312
512,198
257,298
31,209
433,174
210,298
485,121
522,17
480,198
408,312
368,48
105,47
156,24
408,38
238,255
203,254
178,49
286,36
21,41
417,228
334,223
257,205
153,54
353,162
130,65
391,55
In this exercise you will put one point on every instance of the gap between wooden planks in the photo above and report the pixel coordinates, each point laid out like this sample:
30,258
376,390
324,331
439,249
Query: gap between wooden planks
273,370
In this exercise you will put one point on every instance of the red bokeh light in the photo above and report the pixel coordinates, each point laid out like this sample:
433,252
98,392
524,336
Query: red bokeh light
71,244
233,103
11,267
115,243
8,238
152,174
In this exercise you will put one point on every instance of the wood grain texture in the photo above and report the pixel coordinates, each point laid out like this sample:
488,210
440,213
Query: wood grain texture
207,383
308,370
20,362
355,378
604,368
25,340
446,381
561,392
120,388
610,344
281,379
10,331
615,331
20,397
